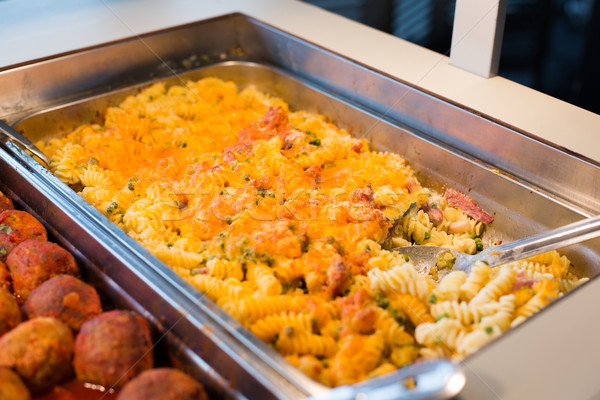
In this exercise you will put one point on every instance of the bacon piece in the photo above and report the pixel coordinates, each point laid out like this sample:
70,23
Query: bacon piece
217,167
363,195
337,278
435,214
364,320
274,123
228,157
313,171
523,281
467,205
412,185
357,147
275,119
352,303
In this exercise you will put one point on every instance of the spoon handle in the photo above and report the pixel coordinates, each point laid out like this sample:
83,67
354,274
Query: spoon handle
576,232
7,131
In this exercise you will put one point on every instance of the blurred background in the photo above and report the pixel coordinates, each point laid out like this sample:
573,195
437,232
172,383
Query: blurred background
552,46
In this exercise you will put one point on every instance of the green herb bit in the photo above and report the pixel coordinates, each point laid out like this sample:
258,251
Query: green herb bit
304,244
445,260
405,257
489,330
131,186
427,235
6,228
316,142
228,220
381,300
267,259
93,161
112,207
442,316
288,331
432,298
3,252
478,244
397,316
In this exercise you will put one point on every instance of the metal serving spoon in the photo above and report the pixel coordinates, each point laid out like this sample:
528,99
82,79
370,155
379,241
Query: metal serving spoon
11,134
425,257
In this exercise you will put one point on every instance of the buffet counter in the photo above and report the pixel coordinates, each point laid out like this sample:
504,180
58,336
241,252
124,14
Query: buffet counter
36,29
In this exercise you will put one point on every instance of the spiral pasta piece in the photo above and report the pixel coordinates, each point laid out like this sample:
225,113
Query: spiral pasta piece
404,279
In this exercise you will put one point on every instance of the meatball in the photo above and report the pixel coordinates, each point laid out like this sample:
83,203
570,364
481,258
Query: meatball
5,276
10,314
5,203
113,348
163,384
66,298
16,227
11,386
33,262
40,351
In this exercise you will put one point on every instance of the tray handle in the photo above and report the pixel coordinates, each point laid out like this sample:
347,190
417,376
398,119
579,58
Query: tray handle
439,379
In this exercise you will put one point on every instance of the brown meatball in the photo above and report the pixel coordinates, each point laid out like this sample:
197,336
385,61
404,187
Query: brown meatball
10,314
5,277
40,351
163,384
113,348
16,227
33,262
5,203
66,298
11,386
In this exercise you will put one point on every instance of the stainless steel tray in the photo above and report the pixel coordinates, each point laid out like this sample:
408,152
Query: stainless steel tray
529,185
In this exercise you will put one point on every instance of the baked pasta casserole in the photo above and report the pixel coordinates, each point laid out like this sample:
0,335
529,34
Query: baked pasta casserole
287,222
